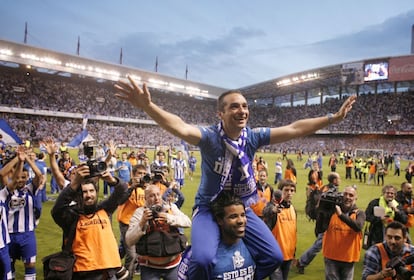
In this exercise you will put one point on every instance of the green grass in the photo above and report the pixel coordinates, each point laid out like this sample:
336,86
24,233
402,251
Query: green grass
49,234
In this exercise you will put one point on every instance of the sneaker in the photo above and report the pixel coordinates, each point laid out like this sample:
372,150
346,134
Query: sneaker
301,268
122,273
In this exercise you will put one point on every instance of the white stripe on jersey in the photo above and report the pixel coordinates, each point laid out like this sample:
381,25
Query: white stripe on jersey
20,209
5,237
179,166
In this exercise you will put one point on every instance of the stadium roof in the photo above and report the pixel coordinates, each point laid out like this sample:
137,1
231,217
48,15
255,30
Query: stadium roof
331,80
61,64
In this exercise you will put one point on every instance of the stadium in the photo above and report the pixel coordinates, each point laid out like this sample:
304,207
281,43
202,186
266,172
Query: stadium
46,93
50,93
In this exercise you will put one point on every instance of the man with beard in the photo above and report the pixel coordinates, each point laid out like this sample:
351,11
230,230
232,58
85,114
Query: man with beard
94,244
227,151
377,256
404,198
341,244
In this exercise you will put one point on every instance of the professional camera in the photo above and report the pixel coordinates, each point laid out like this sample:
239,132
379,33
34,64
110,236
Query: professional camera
155,210
157,175
329,199
399,264
96,167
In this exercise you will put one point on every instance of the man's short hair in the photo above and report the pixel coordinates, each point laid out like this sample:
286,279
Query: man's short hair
220,103
94,181
387,187
286,182
397,225
332,176
224,199
137,167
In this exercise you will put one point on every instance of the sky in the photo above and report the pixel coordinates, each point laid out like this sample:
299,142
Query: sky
225,43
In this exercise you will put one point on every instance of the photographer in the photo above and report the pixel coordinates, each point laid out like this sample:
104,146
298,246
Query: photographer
79,204
125,211
379,260
147,222
381,211
341,244
324,212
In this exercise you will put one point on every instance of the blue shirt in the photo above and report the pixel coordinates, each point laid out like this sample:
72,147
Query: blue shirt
124,171
233,262
212,152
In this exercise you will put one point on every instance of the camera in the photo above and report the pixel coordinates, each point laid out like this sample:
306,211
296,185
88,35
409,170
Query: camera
155,210
329,199
96,167
157,174
399,264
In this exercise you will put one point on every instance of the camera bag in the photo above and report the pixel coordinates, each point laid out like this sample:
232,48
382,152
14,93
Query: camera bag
59,266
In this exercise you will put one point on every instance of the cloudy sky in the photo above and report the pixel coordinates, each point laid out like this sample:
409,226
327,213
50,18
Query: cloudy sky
227,43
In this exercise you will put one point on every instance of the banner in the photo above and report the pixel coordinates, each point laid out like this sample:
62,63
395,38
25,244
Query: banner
401,68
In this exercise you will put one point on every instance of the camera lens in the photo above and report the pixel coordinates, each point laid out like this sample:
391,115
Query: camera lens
101,166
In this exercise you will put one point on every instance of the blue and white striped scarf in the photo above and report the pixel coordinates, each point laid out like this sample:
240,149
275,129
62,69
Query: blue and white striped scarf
238,164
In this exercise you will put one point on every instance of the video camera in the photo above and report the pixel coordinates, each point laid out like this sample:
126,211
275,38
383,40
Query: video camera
399,265
96,167
329,199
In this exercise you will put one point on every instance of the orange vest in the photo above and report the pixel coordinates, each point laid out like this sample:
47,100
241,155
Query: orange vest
289,175
349,163
315,178
162,187
264,198
94,245
410,220
126,210
372,169
340,242
385,259
285,232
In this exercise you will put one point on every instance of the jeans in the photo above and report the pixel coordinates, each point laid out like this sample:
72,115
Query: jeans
282,272
310,254
130,253
149,273
336,270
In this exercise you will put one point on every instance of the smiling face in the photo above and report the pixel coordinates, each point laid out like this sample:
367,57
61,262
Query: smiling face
388,193
22,179
233,224
89,194
234,113
350,196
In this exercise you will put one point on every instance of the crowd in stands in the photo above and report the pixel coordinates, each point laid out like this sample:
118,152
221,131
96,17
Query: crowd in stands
87,96
83,96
